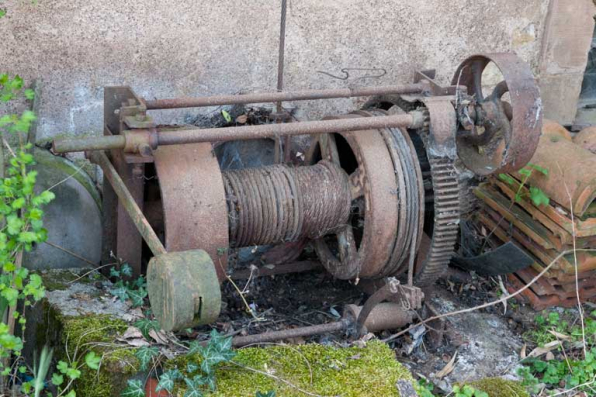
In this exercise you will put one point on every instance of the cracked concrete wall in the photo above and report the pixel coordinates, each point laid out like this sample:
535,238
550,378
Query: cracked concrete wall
175,48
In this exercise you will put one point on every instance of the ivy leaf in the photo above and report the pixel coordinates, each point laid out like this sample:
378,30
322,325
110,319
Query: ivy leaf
145,325
120,292
92,360
126,270
191,367
114,272
145,354
538,196
193,387
137,296
134,389
167,380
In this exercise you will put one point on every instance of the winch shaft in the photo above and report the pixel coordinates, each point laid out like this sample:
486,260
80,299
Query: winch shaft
279,203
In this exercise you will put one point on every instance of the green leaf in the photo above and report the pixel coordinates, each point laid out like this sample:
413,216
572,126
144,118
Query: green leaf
226,116
538,197
134,389
29,94
145,354
114,272
538,168
92,360
120,292
57,379
191,367
14,224
145,325
136,296
126,270
193,387
71,393
167,380
525,172
27,237
2,12
62,366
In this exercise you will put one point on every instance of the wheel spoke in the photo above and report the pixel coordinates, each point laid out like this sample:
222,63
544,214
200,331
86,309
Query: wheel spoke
477,68
357,184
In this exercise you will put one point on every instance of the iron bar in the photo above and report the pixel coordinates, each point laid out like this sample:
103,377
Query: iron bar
273,336
265,97
128,202
181,136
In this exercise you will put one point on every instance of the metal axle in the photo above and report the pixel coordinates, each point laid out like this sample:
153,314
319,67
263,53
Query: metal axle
135,141
303,95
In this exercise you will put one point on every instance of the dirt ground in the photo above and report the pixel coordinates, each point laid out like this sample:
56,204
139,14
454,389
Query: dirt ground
487,342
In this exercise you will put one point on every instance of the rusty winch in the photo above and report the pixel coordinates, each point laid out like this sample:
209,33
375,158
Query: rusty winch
360,198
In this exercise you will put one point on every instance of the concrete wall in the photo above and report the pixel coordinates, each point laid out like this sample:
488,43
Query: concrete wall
171,48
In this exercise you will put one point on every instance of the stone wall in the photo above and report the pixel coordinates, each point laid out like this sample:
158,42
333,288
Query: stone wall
181,47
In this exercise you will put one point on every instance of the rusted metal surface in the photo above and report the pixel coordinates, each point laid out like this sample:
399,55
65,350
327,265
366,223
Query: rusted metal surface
282,96
194,204
273,336
374,189
180,136
586,138
127,200
446,191
279,203
410,196
569,174
510,147
406,297
383,316
438,135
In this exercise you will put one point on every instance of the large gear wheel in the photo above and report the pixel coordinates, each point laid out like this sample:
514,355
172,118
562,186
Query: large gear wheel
437,135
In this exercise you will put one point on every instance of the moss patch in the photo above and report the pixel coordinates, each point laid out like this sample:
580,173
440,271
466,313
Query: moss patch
323,370
97,333
60,280
497,387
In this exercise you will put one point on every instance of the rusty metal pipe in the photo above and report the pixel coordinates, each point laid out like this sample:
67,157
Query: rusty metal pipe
179,136
273,336
128,202
176,137
303,95
383,316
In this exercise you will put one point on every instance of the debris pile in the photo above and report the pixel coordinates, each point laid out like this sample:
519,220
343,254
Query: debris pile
548,209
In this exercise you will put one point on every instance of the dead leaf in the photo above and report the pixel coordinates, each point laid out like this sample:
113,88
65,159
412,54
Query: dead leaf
132,333
539,351
559,335
549,356
242,119
159,336
447,369
522,353
135,342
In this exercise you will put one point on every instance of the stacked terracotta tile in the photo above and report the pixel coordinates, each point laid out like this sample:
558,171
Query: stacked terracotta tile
545,232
